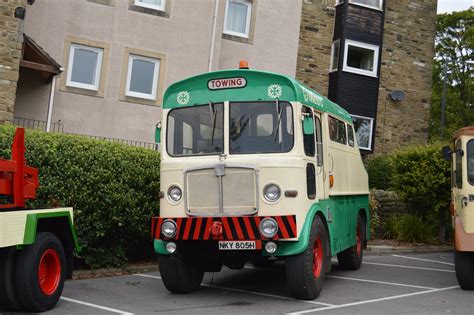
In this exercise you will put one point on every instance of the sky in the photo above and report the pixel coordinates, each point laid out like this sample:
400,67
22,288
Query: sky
454,5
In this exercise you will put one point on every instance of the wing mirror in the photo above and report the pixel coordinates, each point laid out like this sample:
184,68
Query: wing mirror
158,132
446,152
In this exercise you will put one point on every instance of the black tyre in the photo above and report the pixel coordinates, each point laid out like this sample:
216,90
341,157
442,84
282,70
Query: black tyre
305,273
464,266
351,258
260,261
179,276
8,299
40,273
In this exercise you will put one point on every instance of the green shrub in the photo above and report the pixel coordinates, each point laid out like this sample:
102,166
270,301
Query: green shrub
380,170
112,187
422,177
408,228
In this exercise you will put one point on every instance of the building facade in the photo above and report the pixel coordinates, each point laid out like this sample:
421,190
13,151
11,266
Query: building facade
374,58
118,56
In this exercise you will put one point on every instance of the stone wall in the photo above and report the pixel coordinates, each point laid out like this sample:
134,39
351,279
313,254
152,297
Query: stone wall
406,65
314,51
386,204
11,39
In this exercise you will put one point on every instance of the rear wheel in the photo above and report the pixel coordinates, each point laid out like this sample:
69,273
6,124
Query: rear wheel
8,298
351,258
464,265
40,273
179,276
306,272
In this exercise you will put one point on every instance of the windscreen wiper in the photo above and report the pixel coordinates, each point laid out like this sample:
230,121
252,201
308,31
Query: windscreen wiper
279,110
212,111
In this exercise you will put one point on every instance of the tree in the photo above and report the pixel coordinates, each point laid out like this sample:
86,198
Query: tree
454,49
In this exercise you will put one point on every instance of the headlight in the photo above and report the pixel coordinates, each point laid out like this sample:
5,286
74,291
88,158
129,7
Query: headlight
175,193
168,228
272,193
268,227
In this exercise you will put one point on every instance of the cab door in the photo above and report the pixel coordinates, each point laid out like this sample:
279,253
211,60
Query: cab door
320,175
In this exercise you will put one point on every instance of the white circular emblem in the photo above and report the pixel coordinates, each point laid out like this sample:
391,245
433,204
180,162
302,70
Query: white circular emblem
274,91
183,98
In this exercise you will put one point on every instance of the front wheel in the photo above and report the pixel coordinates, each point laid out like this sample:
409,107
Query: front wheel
351,258
306,272
179,275
464,266
40,273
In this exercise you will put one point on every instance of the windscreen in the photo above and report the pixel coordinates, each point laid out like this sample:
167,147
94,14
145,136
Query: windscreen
260,127
470,162
197,130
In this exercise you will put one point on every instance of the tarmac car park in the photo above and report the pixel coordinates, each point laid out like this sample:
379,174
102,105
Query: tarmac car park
404,283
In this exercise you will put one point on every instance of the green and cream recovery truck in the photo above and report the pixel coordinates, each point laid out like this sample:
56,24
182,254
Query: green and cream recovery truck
461,155
257,167
36,246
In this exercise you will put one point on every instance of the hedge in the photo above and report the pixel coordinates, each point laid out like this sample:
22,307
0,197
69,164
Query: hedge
112,187
421,176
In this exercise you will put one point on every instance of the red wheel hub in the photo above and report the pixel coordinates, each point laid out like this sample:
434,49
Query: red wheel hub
49,271
317,257
359,241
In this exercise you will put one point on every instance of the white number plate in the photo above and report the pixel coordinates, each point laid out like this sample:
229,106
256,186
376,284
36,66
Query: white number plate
237,245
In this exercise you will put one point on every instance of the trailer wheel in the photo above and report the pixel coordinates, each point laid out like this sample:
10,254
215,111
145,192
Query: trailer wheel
306,272
179,276
8,298
464,266
40,273
351,258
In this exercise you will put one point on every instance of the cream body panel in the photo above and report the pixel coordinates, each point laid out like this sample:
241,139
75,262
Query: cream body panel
13,223
466,214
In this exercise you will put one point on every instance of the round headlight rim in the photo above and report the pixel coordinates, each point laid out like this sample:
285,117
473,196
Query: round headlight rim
175,228
168,194
268,236
265,198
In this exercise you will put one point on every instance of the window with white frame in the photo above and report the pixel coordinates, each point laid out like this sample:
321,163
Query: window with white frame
376,4
363,128
336,48
142,77
151,4
237,18
360,58
84,67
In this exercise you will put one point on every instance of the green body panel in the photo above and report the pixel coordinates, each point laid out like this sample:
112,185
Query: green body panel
340,214
260,86
160,247
32,222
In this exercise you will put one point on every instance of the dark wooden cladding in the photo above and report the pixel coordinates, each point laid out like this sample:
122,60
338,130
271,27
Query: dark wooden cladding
358,94
338,22
364,25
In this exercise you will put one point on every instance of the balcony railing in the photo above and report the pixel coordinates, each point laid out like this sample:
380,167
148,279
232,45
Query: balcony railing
58,127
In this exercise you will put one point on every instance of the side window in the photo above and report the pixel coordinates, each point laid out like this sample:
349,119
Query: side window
458,159
311,181
319,141
308,139
337,130
470,162
350,135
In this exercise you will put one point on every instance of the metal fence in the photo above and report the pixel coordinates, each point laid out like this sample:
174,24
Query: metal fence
58,127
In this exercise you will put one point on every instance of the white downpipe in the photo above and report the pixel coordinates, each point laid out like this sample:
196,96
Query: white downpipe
213,36
50,104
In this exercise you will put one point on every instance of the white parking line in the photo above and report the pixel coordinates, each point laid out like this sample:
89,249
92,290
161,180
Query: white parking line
248,292
381,282
407,267
372,301
428,260
113,310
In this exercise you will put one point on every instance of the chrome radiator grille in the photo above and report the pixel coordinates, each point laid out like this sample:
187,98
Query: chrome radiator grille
225,190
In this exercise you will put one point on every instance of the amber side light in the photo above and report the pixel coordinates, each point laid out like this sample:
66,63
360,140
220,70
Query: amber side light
291,193
243,64
451,208
331,180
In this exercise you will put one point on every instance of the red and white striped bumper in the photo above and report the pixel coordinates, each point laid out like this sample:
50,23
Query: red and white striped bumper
232,228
